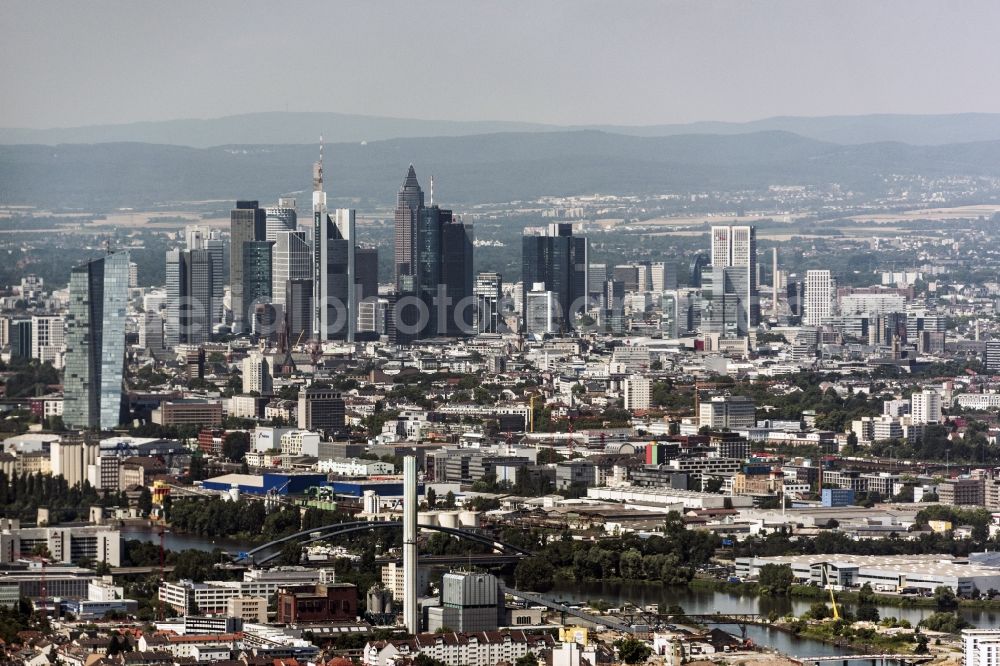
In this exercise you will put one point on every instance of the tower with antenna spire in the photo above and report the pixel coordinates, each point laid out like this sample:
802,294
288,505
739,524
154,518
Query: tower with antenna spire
333,263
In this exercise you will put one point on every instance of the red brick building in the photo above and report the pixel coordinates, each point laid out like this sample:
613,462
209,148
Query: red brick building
332,602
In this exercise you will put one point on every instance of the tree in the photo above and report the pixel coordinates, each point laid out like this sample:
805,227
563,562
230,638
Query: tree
632,651
145,501
431,498
534,573
527,660
818,611
945,599
236,445
449,500
776,579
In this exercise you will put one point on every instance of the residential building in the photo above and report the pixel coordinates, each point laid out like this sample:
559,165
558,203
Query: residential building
925,407
637,392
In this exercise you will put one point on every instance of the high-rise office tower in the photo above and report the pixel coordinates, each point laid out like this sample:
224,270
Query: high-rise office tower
597,275
333,265
248,223
487,290
257,273
289,261
204,238
663,276
734,251
819,297
614,306
95,342
444,272
190,297
628,275
334,303
280,218
409,210
557,259
366,287
541,311
20,339
298,310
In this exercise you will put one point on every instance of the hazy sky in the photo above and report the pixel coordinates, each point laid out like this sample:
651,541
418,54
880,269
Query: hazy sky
566,61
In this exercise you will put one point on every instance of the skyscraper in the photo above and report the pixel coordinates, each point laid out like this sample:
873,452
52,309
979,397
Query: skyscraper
190,297
257,273
409,207
289,261
204,238
366,271
819,297
731,303
334,297
280,218
95,342
487,290
248,223
444,272
557,259
298,309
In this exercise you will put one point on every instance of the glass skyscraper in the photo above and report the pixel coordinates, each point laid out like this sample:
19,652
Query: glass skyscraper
95,343
558,259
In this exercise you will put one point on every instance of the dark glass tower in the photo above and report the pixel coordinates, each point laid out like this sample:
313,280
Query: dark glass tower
257,272
95,343
248,223
557,259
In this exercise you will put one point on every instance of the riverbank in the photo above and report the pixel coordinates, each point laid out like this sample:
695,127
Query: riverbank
811,592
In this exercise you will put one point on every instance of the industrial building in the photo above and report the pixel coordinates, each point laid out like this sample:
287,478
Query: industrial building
65,544
326,602
883,573
262,484
469,602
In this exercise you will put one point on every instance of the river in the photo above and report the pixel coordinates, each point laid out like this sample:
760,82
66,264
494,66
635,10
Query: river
618,593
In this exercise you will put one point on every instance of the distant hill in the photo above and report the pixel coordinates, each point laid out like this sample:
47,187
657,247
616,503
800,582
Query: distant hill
469,169
290,127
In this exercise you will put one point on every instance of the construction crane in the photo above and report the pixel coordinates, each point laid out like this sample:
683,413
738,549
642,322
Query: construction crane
833,599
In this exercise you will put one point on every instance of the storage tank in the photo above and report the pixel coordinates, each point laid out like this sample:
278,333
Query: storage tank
448,519
379,600
469,519
427,518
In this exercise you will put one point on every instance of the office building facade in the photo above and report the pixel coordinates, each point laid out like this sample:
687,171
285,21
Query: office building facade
557,259
248,223
95,343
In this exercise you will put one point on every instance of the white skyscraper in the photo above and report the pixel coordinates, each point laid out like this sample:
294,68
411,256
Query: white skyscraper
819,297
981,647
290,261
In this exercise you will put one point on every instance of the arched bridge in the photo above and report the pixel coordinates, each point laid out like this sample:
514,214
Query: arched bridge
261,554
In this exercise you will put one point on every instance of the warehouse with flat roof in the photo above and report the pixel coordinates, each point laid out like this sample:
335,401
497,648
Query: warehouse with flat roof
885,573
